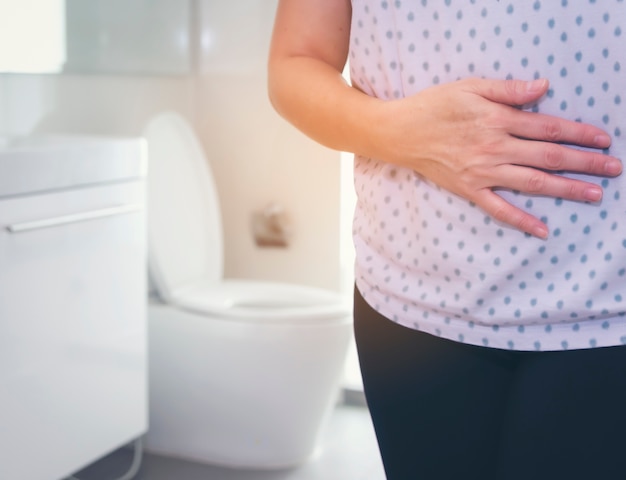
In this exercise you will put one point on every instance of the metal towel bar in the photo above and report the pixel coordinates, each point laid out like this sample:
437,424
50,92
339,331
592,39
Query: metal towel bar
73,218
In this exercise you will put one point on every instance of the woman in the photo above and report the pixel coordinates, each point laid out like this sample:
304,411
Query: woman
490,308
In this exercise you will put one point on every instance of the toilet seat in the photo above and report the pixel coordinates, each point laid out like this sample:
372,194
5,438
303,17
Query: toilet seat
267,302
185,248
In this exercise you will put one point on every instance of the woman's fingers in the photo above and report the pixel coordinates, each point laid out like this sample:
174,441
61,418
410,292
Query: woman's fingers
507,92
536,126
495,206
537,182
556,157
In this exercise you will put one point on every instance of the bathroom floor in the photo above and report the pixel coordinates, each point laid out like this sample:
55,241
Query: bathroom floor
350,453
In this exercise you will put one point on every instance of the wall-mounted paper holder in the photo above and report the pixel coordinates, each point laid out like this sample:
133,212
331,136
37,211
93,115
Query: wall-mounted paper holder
271,226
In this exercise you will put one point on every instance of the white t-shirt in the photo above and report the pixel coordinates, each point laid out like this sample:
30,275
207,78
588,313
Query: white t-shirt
432,261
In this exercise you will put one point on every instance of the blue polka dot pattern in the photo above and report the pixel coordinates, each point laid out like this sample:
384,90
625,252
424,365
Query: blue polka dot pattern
432,261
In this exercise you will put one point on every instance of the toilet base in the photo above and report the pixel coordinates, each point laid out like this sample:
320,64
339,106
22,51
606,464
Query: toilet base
241,394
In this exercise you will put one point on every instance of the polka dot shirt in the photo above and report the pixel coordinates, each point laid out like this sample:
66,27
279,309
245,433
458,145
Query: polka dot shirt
432,261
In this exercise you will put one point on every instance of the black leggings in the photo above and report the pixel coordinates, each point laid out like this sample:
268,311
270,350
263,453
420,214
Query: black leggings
445,410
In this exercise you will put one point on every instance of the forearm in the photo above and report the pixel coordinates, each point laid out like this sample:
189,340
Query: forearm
315,98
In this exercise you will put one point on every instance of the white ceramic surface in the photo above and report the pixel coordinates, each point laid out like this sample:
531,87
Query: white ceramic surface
35,164
243,373
242,394
185,223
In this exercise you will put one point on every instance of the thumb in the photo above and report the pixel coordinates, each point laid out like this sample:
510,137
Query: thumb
512,92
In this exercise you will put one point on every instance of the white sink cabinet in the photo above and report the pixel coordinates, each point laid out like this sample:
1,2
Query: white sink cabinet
73,372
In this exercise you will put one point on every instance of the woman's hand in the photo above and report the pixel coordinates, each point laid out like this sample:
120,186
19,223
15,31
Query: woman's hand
469,138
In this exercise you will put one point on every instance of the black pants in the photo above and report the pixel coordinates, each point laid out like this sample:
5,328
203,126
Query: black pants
444,410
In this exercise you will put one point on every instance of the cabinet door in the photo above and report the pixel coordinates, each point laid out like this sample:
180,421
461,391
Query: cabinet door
72,328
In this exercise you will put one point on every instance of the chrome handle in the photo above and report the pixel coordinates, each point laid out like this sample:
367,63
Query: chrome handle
73,218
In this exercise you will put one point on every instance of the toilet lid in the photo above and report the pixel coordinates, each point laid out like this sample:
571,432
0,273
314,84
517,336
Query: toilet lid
267,302
184,220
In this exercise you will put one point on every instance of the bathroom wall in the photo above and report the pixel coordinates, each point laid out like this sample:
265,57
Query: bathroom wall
99,104
257,158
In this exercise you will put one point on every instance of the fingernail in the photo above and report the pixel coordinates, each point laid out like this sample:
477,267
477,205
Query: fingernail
613,167
593,194
536,85
540,231
602,141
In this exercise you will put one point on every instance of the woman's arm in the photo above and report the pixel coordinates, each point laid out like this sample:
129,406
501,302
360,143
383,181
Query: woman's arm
465,136
307,56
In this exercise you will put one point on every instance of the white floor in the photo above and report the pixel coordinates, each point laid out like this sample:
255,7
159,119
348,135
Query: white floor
350,453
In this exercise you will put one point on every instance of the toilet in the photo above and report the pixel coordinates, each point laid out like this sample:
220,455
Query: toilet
242,373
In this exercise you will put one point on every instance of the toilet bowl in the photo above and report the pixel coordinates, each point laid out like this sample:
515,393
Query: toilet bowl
242,373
